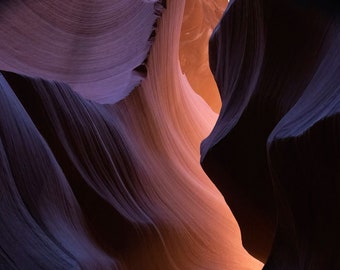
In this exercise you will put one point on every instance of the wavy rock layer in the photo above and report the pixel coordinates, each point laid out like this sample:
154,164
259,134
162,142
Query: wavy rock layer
274,151
92,186
97,47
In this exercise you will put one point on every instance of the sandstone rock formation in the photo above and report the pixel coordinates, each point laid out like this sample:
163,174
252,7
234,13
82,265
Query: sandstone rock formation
274,152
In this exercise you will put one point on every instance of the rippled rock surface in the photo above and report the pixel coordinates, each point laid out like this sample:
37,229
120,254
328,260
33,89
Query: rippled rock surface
99,142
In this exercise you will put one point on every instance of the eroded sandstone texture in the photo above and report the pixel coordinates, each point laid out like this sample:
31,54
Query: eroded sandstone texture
115,186
100,135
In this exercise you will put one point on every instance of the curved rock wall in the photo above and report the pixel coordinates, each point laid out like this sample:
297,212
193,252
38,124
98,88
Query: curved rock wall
273,152
115,186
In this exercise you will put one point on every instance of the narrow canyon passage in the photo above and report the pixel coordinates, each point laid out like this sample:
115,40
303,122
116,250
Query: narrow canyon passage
145,134
116,185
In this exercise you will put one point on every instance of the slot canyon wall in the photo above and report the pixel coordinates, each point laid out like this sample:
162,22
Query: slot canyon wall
274,151
117,151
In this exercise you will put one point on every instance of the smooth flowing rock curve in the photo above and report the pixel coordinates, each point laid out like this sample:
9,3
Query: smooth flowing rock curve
98,47
274,151
110,186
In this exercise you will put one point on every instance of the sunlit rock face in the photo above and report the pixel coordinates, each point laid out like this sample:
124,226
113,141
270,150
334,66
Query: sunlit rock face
200,18
103,108
115,186
274,151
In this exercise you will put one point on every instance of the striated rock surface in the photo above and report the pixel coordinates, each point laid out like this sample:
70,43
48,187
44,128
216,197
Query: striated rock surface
103,108
117,186
97,47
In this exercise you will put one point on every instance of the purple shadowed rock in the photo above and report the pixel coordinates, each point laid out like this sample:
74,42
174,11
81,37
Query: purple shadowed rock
274,152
